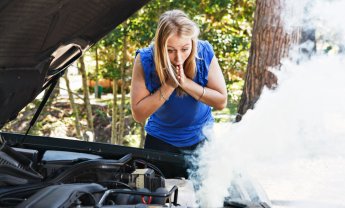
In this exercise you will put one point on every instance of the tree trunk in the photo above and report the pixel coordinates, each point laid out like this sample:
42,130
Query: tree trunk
270,43
73,106
97,94
86,95
123,87
114,130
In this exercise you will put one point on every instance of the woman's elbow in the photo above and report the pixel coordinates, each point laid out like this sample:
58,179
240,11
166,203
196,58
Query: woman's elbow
137,116
222,103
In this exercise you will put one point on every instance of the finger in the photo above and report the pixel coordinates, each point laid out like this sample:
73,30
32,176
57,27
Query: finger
176,69
179,67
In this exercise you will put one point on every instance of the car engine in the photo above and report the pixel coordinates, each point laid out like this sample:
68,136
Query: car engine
71,179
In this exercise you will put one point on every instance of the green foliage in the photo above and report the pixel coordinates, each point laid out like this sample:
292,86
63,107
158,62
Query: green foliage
111,70
100,113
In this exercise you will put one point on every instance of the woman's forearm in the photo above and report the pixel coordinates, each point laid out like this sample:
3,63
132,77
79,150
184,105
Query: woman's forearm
150,104
206,95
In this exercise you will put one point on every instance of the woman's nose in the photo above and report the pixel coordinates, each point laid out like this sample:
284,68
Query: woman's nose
178,57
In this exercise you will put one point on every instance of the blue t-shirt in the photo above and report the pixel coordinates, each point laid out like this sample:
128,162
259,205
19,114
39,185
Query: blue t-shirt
179,121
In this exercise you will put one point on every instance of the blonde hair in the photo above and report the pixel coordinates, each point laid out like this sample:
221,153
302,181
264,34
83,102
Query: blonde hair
170,23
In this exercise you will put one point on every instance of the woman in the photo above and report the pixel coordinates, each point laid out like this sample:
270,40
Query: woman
175,83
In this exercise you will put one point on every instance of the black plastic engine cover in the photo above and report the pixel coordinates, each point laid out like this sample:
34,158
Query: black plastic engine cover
60,195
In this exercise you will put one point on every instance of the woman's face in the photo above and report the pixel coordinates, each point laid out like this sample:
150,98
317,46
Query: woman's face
179,48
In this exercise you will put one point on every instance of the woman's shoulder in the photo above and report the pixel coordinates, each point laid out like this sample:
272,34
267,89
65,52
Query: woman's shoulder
205,50
147,51
204,44
146,56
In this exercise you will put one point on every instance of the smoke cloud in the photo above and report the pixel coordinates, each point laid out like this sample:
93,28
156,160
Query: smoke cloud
293,141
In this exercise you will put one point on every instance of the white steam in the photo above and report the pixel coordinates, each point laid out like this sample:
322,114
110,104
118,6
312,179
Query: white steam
293,142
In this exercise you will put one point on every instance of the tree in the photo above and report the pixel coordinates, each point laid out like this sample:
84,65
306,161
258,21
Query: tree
270,43
73,106
97,93
115,46
123,84
86,95
114,132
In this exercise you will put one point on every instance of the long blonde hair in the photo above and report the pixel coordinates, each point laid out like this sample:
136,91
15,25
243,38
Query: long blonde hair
170,23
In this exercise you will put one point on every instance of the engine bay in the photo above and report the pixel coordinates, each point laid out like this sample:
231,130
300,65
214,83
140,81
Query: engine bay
72,179
41,172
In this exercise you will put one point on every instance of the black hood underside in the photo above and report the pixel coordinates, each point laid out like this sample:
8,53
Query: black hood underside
40,38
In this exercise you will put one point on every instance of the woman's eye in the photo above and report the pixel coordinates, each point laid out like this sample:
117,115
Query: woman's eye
185,49
170,51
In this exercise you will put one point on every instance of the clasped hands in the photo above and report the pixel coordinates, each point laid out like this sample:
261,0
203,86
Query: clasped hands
179,77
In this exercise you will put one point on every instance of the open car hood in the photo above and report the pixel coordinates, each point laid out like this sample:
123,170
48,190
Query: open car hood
40,38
